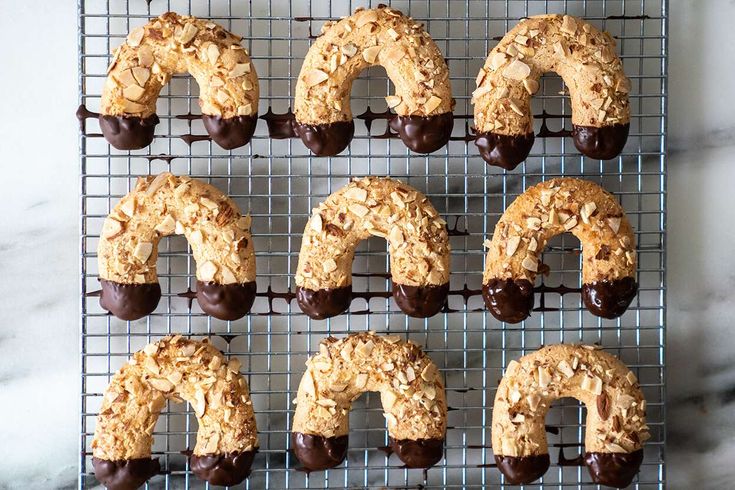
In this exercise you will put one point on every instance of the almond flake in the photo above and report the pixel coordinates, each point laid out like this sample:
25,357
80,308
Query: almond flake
349,50
393,34
570,223
515,396
227,276
111,228
517,70
630,378
518,418
359,210
207,271
432,104
316,223
430,392
429,372
530,85
135,37
167,226
561,49
396,236
364,349
187,33
161,384
497,60
366,18
512,245
530,263
199,405
245,110
480,77
533,401
329,265
371,54
145,57
586,211
568,25
143,251
516,108
623,85
133,92
356,193
533,223
544,377
614,224
592,384
315,77
361,381
141,75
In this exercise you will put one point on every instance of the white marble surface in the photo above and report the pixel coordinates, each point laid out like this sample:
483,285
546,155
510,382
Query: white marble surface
39,380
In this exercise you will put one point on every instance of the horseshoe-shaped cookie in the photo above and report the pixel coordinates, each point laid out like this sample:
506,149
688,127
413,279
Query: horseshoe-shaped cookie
616,413
548,209
218,235
384,36
175,369
583,56
411,390
417,238
171,44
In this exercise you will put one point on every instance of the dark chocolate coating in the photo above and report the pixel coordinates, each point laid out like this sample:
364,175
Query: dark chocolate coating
502,150
420,301
222,469
324,303
319,453
424,134
128,133
125,474
601,143
613,469
523,470
230,132
609,299
129,301
422,453
508,300
326,140
226,301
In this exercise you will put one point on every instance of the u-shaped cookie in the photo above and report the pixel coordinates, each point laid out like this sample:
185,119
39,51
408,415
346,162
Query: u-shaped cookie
583,56
550,208
615,429
411,391
175,369
218,235
383,36
379,206
171,44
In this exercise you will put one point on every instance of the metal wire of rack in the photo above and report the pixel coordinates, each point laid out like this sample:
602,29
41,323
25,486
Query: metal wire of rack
279,181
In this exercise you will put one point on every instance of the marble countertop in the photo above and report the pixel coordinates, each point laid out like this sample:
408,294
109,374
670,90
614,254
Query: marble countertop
39,340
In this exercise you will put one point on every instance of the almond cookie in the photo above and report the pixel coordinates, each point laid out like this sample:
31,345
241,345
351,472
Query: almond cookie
175,369
417,241
583,56
616,413
218,235
582,208
171,44
411,391
384,36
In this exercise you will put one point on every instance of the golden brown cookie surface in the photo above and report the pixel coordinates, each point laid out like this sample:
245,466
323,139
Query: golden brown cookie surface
583,56
384,36
171,44
175,369
411,389
616,411
164,205
582,208
378,206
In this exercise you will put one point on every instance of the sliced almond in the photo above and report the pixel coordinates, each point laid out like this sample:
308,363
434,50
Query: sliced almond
570,223
316,223
393,100
187,33
533,223
432,104
393,34
533,401
631,378
245,110
517,70
530,85
227,276
568,25
614,224
133,92
396,236
111,228
167,226
565,368
371,54
544,377
207,271
131,107
530,263
429,373
143,251
361,381
329,265
212,53
239,70
349,50
367,17
393,55
512,245
592,384
145,56
497,60
359,210
356,193
161,384
199,404
126,78
315,77
135,37
587,210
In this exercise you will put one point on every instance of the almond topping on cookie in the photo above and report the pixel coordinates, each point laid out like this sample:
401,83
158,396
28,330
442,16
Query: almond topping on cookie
512,245
530,85
432,104
135,37
393,100
517,70
315,77
371,54
207,271
142,251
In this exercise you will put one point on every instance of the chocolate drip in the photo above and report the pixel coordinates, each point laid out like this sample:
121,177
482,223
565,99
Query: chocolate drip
188,116
82,115
369,116
125,474
326,140
280,126
193,138
609,299
222,469
129,301
421,453
162,156
324,303
455,231
226,301
523,470
128,133
420,301
601,143
508,300
424,134
503,150
613,469
319,453
231,132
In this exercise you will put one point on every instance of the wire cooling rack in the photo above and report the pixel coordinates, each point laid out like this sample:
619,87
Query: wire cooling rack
279,181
